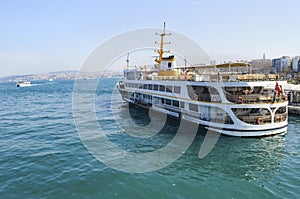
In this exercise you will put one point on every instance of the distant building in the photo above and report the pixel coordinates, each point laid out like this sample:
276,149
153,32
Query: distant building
281,64
261,65
296,64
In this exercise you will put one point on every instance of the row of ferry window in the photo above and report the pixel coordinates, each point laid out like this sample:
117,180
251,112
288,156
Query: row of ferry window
175,103
218,117
155,87
178,104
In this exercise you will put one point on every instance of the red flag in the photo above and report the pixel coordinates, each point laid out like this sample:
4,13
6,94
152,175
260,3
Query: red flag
277,88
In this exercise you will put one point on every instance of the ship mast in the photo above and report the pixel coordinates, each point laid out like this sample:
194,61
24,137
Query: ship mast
161,50
127,62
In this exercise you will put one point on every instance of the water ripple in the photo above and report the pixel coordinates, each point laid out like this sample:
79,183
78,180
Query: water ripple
41,155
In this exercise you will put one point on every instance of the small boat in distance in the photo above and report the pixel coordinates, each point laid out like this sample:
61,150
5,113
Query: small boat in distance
23,83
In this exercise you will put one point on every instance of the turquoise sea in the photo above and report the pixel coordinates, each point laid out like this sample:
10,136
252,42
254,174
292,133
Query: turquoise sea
42,155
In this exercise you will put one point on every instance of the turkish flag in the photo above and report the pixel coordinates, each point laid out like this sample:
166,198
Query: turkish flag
277,88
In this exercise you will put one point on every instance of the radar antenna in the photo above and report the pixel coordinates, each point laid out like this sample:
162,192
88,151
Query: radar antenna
127,61
161,50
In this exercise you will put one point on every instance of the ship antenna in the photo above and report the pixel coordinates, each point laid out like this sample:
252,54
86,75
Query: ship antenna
161,50
127,61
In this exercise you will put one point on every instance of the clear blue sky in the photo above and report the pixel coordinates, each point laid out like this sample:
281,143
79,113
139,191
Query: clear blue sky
48,35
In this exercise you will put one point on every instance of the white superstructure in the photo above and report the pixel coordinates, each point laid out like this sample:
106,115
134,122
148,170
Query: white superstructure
225,98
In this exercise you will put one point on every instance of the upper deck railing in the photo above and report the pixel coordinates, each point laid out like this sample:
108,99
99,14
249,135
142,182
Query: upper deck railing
220,77
229,72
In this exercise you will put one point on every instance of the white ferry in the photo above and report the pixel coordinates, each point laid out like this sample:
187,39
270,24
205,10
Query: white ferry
23,83
226,98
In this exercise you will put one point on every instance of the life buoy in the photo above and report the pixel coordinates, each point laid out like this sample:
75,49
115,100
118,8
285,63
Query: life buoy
240,100
282,118
260,121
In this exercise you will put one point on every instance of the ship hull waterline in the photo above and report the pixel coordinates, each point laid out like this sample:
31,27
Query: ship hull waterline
264,131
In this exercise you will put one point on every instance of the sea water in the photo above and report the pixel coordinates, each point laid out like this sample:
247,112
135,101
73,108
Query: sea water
42,155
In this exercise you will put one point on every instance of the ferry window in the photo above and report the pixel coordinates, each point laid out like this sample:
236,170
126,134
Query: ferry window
169,89
155,87
130,75
145,86
150,86
181,104
140,86
162,88
193,107
281,110
176,103
168,101
162,100
228,119
177,89
155,100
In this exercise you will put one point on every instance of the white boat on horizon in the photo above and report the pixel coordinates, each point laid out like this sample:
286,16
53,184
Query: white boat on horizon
225,98
23,83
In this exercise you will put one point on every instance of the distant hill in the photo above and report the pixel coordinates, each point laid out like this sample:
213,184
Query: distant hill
12,78
67,74
65,71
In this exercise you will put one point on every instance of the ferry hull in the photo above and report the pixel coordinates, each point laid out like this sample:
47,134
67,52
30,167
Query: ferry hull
265,130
